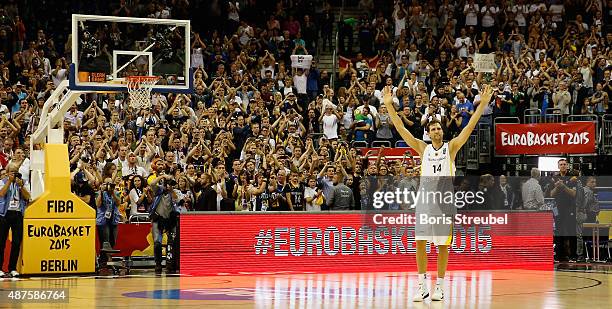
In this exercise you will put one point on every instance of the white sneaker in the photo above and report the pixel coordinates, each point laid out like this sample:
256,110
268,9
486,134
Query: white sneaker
422,293
2,274
14,274
438,293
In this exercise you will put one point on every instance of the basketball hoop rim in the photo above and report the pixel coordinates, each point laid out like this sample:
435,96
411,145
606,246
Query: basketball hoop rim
136,81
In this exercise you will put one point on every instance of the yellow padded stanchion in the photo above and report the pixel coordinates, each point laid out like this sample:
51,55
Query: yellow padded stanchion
58,228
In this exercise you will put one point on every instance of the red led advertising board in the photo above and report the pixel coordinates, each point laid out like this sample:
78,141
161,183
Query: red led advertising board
545,138
343,242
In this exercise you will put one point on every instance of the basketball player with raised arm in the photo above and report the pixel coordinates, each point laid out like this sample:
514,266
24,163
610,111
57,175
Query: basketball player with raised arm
437,169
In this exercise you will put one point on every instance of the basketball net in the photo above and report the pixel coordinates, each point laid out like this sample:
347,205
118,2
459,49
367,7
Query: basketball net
139,89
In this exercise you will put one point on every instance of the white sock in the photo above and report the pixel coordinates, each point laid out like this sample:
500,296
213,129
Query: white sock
440,281
422,278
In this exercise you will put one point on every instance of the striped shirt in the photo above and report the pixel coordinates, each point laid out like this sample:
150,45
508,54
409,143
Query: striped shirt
533,197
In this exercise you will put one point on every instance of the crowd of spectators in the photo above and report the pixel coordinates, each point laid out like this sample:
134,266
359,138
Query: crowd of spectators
550,54
259,135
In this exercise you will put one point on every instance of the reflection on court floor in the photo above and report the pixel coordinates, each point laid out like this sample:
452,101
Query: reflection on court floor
464,289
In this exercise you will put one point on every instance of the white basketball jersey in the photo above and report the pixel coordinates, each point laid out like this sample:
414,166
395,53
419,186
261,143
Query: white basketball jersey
437,162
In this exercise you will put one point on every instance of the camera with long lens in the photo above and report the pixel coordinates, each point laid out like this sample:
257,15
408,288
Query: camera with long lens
110,187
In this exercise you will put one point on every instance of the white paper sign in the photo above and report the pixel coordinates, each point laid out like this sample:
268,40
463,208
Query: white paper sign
301,61
485,63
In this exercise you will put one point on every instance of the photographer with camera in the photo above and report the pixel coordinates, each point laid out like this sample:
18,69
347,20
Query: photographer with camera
107,214
81,186
164,217
14,197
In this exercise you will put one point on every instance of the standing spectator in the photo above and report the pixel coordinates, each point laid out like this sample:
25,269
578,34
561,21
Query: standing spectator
366,37
508,191
330,120
309,31
521,13
587,74
341,196
432,113
453,123
557,11
273,23
60,72
563,190
464,107
533,196
233,17
74,116
591,203
471,13
132,167
313,195
363,124
312,82
327,28
185,195
23,164
383,125
489,14
399,18
245,31
207,197
294,192
325,180
300,80
292,25
600,100
586,211
493,195
139,195
241,131
20,34
562,99
346,34
462,44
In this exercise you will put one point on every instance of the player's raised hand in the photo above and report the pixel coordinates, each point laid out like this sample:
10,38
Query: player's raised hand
388,97
387,92
486,94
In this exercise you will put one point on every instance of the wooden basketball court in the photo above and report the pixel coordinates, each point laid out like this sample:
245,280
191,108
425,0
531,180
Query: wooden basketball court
464,289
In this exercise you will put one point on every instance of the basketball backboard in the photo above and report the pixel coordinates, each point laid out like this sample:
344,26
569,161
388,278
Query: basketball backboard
107,49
